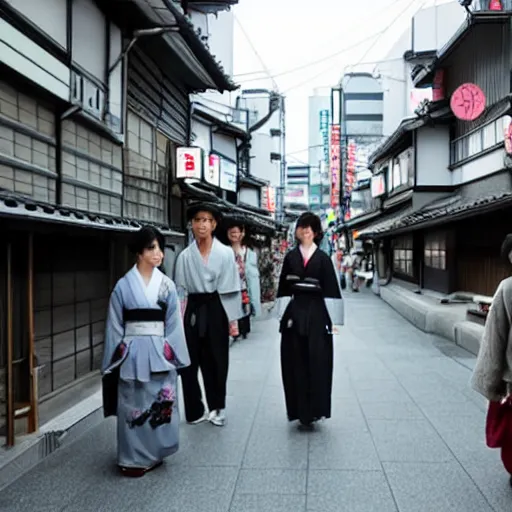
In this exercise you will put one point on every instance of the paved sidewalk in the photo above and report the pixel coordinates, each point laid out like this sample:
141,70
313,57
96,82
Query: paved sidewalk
406,435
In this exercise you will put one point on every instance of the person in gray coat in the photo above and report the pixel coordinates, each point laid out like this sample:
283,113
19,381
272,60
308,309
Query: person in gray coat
492,376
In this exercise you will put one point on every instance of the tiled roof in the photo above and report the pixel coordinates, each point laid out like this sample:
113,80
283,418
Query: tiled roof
13,205
385,224
453,206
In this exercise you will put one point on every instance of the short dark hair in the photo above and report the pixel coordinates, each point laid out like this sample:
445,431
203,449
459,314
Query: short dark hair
144,238
310,220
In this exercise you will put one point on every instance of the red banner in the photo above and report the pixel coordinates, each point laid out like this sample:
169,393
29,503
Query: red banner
335,165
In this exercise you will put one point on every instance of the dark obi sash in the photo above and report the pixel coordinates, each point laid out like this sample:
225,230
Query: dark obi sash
201,307
143,315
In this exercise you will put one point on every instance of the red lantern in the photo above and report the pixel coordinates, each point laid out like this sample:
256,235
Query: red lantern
495,5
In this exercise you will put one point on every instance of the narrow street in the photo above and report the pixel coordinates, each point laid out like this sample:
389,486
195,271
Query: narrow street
407,435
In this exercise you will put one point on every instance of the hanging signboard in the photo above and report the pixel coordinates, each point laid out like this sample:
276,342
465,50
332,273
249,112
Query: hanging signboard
228,175
438,86
270,199
468,102
189,163
377,185
507,134
212,170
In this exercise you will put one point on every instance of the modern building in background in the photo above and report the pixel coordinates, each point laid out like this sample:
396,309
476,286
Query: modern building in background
319,119
362,104
266,121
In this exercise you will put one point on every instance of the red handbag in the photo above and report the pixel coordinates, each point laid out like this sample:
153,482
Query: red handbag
498,428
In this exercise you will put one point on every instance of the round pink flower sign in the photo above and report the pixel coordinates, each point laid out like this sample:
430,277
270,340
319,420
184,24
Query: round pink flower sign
468,102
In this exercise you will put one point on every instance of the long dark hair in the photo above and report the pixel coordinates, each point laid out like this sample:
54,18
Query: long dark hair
310,220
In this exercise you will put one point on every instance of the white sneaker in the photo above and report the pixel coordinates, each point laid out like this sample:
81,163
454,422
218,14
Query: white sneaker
202,419
218,417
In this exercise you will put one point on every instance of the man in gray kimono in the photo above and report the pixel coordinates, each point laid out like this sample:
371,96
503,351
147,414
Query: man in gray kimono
208,284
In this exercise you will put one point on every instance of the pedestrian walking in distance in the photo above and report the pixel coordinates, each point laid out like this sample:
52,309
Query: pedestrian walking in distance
209,286
309,298
247,263
144,347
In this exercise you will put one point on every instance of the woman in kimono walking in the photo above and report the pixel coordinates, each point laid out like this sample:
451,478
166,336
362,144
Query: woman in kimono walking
310,298
144,347
247,263
209,287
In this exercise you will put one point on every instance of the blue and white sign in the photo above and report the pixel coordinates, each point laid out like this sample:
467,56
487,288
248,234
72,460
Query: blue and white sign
228,175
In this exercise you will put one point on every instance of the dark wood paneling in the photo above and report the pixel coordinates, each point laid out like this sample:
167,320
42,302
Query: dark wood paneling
163,102
479,265
484,59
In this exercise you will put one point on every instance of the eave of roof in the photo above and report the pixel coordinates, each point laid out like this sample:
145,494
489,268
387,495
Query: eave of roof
215,69
226,126
441,211
184,44
24,208
435,111
362,219
425,77
252,180
244,212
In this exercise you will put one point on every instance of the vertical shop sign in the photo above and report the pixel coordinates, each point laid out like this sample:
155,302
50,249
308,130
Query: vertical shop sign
349,177
324,130
335,165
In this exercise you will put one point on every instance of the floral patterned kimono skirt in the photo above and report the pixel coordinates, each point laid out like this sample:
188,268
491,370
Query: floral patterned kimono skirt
144,347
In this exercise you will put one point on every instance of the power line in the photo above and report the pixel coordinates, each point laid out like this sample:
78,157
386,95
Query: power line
256,51
409,5
329,43
319,61
378,36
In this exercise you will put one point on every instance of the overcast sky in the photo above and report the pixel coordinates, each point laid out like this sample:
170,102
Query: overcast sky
287,34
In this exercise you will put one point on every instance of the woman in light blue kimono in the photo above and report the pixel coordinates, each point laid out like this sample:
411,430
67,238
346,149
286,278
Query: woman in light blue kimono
144,347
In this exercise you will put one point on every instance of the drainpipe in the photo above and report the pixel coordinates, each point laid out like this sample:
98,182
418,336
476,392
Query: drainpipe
191,110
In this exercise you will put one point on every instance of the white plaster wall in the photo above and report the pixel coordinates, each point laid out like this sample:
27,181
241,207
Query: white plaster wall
20,53
479,168
433,156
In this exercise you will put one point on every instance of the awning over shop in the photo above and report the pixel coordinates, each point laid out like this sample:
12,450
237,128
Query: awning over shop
383,225
257,218
361,220
447,209
23,208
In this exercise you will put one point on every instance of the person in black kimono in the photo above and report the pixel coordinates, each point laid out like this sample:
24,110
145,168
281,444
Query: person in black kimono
310,301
